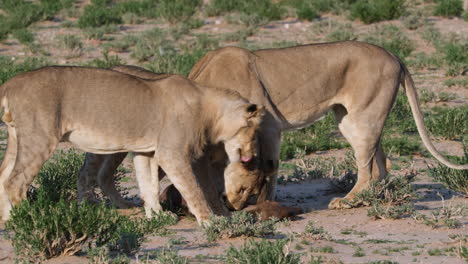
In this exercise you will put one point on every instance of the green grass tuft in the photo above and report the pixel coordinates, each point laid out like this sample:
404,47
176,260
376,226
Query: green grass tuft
371,11
264,251
238,224
448,8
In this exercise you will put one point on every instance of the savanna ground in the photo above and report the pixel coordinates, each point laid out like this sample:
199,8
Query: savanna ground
419,217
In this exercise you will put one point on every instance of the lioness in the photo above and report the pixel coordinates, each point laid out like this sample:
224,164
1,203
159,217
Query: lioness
298,85
90,108
208,169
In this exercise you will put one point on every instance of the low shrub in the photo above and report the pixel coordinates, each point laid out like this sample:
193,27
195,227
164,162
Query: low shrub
448,8
314,232
319,136
264,251
264,9
44,228
371,11
51,223
99,13
447,123
238,224
392,39
9,67
23,36
451,178
177,10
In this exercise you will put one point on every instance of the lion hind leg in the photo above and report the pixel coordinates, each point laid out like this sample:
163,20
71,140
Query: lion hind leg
88,175
5,171
105,179
364,137
32,152
181,174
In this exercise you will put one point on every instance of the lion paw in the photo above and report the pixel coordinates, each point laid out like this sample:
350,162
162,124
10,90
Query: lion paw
339,203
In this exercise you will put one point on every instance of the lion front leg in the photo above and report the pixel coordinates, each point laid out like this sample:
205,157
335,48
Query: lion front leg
146,169
270,141
181,174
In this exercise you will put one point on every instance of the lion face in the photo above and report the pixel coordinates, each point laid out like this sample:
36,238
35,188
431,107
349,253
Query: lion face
241,182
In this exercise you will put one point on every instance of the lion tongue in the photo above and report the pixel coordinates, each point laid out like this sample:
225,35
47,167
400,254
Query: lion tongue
246,159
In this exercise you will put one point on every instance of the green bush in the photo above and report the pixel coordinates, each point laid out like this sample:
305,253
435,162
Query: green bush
238,224
51,223
318,136
401,145
58,177
448,8
451,178
21,14
264,9
45,228
392,39
370,11
23,36
99,13
9,67
448,123
271,252
181,60
177,10
108,61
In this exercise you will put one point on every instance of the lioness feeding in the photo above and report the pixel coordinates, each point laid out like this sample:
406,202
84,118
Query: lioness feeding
209,169
298,85
172,117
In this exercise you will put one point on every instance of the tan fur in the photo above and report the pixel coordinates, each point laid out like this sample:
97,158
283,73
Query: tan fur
298,85
101,168
104,112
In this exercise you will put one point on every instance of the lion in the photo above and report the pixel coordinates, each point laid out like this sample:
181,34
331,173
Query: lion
299,85
90,108
99,169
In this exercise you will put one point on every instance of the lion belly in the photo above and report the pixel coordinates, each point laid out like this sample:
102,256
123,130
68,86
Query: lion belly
98,143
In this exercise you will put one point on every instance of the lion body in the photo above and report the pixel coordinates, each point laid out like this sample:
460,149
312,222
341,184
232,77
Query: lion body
298,85
89,107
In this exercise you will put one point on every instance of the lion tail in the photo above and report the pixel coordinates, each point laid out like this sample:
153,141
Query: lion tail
412,95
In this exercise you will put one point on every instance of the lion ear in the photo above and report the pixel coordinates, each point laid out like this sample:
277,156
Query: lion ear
254,113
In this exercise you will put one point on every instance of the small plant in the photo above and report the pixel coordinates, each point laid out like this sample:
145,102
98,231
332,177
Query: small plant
108,61
359,252
392,39
446,123
164,255
276,252
325,249
396,190
177,10
445,216
313,138
238,224
370,11
23,36
45,229
451,178
263,9
343,32
448,8
414,20
314,232
99,13
389,211
9,67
